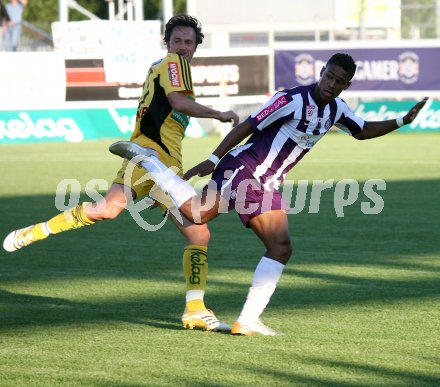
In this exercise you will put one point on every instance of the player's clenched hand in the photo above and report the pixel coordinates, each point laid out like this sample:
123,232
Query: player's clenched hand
229,116
204,168
412,114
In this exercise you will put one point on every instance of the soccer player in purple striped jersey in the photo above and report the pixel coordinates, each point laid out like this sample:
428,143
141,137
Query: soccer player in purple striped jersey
247,177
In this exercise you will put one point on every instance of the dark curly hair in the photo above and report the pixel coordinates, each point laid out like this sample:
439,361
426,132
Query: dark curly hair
345,61
184,21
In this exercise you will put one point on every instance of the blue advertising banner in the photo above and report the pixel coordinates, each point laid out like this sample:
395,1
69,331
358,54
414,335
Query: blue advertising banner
379,69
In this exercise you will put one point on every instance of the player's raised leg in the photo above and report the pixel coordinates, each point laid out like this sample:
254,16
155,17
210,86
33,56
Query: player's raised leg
179,190
84,214
67,220
198,209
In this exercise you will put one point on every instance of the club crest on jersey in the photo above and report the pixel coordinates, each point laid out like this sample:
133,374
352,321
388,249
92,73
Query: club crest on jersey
173,73
310,109
273,107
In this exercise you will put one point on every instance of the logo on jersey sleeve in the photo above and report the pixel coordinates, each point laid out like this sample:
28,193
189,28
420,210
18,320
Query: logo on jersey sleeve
273,107
174,75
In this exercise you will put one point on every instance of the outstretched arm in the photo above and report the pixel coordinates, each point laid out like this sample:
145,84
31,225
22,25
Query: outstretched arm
374,129
180,102
233,138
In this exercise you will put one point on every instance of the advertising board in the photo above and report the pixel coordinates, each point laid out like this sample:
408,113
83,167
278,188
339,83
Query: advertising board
407,68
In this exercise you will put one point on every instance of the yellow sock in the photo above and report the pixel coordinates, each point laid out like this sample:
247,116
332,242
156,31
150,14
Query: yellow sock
40,232
195,269
194,305
68,220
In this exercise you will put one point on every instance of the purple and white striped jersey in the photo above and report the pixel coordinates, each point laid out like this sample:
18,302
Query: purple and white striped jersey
286,128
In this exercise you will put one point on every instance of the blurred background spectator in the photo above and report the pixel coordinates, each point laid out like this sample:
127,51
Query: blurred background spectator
4,21
13,33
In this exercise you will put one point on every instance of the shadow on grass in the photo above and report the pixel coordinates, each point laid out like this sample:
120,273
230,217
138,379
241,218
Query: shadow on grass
402,237
20,310
363,373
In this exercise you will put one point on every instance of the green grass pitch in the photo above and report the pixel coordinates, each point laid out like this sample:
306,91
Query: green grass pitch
100,306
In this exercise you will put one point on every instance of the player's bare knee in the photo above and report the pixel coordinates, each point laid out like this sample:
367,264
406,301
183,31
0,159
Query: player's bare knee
103,211
106,215
110,214
281,249
203,233
200,235
285,250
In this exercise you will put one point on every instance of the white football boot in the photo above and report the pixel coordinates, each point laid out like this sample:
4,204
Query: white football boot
131,151
18,239
256,328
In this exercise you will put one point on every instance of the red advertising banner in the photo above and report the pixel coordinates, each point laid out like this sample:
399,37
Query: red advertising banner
211,76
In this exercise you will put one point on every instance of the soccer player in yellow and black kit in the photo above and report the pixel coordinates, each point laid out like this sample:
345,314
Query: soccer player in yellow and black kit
166,103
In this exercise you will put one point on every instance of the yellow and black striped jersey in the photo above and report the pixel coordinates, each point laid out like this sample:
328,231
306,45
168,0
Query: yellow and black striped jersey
155,117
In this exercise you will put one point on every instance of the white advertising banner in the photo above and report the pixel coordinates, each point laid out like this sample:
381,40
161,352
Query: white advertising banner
29,78
128,48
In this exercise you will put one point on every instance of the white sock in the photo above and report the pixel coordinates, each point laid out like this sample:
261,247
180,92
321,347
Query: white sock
265,280
195,294
178,189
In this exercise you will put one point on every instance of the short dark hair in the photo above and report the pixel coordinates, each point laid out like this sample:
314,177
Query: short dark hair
345,61
184,21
